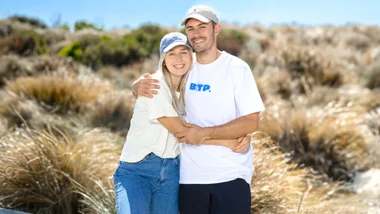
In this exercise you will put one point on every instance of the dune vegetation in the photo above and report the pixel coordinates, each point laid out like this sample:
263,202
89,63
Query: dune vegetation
66,105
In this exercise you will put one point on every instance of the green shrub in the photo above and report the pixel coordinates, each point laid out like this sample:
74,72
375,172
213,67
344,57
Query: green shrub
96,51
26,43
77,48
28,20
148,36
65,27
231,41
73,50
112,52
83,25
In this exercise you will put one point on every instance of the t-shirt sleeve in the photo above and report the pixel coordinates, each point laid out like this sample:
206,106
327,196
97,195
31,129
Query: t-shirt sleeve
247,96
160,105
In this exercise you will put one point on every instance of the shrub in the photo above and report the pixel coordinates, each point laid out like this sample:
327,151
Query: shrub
73,50
83,25
76,49
112,52
28,20
26,43
95,51
6,29
64,27
231,41
148,37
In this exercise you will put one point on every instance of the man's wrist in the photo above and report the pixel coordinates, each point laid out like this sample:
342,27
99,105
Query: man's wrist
207,133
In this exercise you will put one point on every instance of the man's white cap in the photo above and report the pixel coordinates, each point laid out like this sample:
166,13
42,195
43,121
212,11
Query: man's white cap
202,13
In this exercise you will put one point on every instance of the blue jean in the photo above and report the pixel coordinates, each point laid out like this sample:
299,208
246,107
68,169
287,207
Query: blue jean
149,186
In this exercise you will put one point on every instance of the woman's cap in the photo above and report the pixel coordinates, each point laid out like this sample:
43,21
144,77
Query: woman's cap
172,40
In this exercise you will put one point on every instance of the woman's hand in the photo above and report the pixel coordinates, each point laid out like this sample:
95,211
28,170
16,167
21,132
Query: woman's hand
244,144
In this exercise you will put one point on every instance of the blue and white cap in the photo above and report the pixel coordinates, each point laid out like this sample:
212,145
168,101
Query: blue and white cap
172,40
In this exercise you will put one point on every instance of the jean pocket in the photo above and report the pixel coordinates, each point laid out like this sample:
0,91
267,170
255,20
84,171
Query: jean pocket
177,161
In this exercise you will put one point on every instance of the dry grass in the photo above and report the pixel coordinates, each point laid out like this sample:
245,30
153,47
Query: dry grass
3,126
18,111
308,68
277,83
372,76
42,173
334,140
58,94
113,111
320,86
12,66
280,187
100,202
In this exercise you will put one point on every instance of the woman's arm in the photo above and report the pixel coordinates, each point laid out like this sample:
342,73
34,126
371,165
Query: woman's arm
175,125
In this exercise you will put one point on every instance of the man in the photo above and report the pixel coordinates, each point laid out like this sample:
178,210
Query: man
222,102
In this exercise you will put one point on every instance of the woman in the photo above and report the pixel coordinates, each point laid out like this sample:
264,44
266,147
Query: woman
147,178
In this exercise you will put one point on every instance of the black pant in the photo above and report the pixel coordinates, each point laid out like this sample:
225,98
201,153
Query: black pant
232,197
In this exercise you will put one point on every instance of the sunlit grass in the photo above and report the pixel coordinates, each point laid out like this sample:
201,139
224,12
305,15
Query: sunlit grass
39,171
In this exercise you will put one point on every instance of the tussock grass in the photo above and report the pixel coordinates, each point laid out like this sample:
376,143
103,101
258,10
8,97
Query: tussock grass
17,110
113,111
280,187
42,173
372,76
101,202
309,68
3,126
332,140
58,94
277,83
10,67
13,66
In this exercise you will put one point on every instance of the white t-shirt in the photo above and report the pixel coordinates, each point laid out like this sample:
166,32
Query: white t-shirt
146,134
216,94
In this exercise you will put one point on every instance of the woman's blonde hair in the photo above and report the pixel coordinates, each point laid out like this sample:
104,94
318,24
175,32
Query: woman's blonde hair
177,102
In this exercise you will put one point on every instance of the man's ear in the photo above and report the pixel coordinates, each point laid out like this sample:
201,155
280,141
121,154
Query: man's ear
217,29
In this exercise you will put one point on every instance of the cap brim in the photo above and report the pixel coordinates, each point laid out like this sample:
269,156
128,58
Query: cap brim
174,44
196,16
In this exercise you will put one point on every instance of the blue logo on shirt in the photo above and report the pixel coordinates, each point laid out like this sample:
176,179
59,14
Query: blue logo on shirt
200,87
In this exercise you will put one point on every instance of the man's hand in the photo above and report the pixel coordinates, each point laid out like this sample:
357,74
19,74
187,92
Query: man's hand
244,144
145,86
194,135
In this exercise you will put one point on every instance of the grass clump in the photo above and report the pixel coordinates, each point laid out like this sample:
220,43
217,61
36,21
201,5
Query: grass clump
58,94
45,174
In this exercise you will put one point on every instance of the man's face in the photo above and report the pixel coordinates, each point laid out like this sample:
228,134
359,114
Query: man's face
201,36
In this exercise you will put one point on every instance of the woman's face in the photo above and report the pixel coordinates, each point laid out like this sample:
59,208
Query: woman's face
178,60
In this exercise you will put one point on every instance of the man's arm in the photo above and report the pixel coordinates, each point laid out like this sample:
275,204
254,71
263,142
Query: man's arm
241,126
145,86
175,125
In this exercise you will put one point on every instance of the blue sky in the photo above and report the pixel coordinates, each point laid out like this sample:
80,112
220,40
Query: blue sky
132,13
